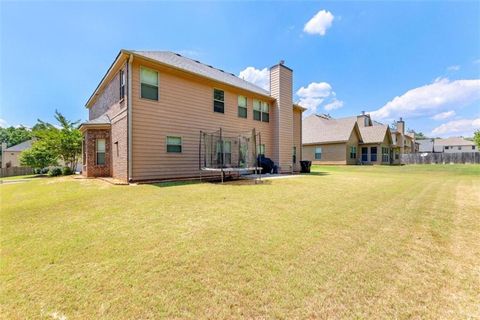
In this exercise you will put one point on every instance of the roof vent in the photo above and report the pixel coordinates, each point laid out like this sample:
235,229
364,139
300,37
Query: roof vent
363,113
282,62
178,54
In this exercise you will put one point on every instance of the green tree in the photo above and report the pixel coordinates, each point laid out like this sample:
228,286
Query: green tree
476,137
39,156
420,135
65,141
12,136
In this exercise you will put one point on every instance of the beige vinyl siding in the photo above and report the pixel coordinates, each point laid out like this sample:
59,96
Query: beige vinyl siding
352,142
332,153
281,89
185,107
297,136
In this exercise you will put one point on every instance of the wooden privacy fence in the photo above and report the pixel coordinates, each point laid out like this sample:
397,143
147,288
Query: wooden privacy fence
15,171
440,158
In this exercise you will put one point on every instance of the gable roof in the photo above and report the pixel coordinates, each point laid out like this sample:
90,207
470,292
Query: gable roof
375,133
21,146
194,66
454,141
318,129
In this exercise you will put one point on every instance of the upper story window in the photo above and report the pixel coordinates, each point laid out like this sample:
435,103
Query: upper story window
218,101
318,153
149,84
261,111
242,106
174,144
122,84
100,152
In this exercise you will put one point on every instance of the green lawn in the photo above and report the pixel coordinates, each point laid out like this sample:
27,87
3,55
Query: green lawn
344,242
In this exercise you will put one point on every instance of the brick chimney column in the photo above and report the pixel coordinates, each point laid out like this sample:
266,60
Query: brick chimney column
281,88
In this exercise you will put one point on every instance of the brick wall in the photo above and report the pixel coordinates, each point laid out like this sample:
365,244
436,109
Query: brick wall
120,147
90,168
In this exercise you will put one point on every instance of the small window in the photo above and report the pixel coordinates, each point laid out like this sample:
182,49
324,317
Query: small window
218,101
318,153
261,150
385,154
100,152
473,147
265,112
459,148
446,148
257,110
261,111
174,144
122,84
242,106
294,155
353,152
149,84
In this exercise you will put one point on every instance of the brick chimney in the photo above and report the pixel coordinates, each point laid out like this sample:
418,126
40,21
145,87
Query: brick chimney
401,126
281,88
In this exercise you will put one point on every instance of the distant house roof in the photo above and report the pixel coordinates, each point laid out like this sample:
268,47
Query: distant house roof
454,141
374,134
195,66
321,129
425,145
21,146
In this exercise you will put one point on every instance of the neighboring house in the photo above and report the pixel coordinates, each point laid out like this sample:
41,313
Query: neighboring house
146,115
454,145
425,145
11,155
349,140
403,142
330,141
376,145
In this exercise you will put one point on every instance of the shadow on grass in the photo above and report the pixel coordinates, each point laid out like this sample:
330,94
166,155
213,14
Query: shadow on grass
316,174
227,182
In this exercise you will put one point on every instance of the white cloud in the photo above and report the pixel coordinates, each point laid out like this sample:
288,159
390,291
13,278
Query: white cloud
256,76
462,127
476,61
319,23
314,94
453,68
444,115
429,99
335,104
3,123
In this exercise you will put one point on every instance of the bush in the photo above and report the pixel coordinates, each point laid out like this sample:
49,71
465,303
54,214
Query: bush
55,171
44,171
66,171
37,171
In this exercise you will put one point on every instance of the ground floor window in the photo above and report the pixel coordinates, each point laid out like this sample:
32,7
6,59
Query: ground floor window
353,152
100,152
261,150
294,155
364,154
385,154
373,154
318,153
174,144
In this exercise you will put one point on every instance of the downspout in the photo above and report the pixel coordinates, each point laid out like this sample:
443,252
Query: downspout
129,118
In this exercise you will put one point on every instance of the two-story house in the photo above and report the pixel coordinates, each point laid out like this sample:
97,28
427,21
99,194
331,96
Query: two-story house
146,114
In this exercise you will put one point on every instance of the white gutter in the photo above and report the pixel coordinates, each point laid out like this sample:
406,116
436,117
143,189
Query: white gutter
129,117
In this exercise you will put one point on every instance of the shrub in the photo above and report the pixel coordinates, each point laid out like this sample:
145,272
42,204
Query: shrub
37,171
55,171
66,171
44,170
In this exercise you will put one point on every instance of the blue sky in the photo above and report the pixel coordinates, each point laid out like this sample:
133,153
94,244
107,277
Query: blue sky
419,60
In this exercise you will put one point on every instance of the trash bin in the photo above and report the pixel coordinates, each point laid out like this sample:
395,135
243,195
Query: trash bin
305,166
